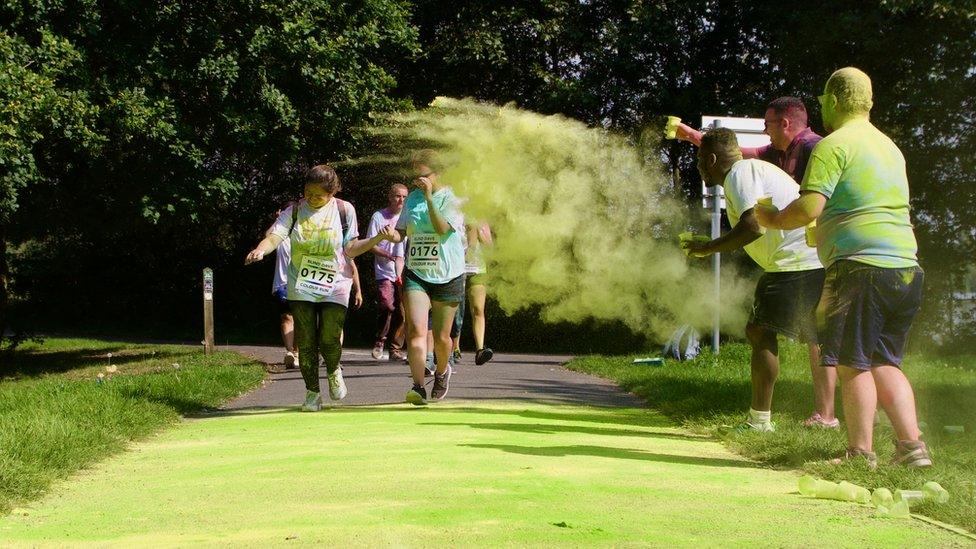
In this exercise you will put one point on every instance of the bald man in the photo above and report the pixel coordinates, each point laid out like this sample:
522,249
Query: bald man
856,187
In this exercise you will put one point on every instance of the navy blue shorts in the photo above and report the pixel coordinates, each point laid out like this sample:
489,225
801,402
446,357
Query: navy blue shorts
786,303
865,314
280,295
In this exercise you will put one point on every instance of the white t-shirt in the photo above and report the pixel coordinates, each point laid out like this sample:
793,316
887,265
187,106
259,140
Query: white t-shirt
777,250
283,257
384,268
318,271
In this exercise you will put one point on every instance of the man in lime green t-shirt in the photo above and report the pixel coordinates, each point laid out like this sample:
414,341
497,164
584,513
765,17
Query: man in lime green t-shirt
856,187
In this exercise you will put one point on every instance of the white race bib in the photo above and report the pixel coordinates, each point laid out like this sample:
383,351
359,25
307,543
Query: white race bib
425,251
317,276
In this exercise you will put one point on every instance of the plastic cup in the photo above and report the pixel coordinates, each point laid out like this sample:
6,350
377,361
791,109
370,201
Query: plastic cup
671,128
882,496
899,510
846,491
935,492
810,233
909,496
807,485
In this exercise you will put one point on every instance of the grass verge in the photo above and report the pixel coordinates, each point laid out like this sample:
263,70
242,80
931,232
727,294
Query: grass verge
60,417
710,392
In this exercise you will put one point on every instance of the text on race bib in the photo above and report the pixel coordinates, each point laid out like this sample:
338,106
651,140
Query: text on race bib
317,276
424,251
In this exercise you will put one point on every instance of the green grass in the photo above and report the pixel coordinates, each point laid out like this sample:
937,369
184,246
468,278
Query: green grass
58,418
454,474
710,392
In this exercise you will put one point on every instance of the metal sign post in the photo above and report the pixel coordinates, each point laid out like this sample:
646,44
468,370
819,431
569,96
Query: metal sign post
208,316
750,133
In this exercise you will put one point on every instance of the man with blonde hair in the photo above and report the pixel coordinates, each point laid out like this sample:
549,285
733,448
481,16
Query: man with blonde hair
856,187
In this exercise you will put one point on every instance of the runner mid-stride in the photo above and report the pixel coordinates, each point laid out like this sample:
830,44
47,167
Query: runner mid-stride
324,239
434,277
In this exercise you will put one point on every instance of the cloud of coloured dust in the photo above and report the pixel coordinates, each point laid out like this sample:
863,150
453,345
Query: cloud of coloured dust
584,227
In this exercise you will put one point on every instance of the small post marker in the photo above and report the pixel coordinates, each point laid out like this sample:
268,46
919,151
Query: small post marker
208,317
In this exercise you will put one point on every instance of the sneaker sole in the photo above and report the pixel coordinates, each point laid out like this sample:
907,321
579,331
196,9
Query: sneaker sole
415,399
484,358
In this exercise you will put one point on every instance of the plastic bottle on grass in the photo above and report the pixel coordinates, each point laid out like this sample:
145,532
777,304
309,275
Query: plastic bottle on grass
935,492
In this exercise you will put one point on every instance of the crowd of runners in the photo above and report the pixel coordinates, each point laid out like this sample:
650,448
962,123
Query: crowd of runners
428,265
826,218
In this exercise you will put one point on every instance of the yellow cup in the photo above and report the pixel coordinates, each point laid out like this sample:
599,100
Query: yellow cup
671,128
810,232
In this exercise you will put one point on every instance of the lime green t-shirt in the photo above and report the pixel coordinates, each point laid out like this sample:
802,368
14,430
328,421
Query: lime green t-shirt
866,217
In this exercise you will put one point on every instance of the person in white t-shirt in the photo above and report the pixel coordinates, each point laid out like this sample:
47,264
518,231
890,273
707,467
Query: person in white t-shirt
279,291
789,290
324,240
388,266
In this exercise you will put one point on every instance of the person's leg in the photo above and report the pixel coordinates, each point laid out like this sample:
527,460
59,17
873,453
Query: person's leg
824,385
417,307
306,340
476,302
765,366
332,317
395,333
288,331
443,319
860,398
457,324
385,308
896,397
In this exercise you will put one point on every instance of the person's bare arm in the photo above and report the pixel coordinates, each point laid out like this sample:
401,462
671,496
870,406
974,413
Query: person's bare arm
798,214
745,232
265,247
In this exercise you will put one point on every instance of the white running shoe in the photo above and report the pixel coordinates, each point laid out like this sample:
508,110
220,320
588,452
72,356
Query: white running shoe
313,402
377,351
291,360
337,387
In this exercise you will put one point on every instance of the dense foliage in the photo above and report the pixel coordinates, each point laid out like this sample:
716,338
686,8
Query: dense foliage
141,142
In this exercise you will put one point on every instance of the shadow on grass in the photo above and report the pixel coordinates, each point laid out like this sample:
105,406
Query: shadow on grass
549,429
591,414
617,453
34,363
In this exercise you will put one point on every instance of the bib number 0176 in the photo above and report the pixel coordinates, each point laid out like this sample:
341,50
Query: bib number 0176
424,251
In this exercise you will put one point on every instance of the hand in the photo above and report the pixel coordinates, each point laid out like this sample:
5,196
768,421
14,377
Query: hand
695,248
424,184
388,233
357,300
253,257
765,214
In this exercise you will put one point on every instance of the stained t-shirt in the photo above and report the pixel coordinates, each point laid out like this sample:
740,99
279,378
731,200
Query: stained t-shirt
319,270
436,258
385,269
866,217
795,158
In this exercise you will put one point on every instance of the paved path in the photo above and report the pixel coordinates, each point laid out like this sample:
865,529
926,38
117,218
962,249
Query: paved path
534,378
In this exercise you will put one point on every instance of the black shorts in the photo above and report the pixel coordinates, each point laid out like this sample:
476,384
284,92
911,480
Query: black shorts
451,291
786,303
865,313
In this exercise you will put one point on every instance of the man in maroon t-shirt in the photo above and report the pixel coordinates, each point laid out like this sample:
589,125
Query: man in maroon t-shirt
791,138
791,142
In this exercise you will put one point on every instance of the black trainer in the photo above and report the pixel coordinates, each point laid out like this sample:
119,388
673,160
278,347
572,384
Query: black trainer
441,383
483,355
417,395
